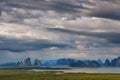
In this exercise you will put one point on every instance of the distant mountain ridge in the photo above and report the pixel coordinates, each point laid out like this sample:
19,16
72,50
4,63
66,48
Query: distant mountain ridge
66,61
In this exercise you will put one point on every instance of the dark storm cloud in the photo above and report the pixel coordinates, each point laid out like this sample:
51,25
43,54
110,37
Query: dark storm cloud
66,7
15,45
114,1
44,5
0,11
107,12
109,9
60,7
112,37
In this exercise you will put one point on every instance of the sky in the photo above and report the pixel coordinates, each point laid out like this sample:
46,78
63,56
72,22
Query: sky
51,29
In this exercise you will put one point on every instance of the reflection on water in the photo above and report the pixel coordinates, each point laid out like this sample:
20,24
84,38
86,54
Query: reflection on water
88,70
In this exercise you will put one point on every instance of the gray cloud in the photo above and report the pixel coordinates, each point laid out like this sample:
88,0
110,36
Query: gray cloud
114,1
75,8
16,45
108,9
44,5
112,37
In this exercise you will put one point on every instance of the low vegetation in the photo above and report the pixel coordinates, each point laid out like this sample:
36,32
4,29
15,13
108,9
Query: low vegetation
52,75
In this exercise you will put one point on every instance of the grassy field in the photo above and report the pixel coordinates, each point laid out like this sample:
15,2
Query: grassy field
51,75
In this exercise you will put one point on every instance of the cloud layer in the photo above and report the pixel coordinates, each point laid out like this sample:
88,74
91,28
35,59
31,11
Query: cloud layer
59,28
